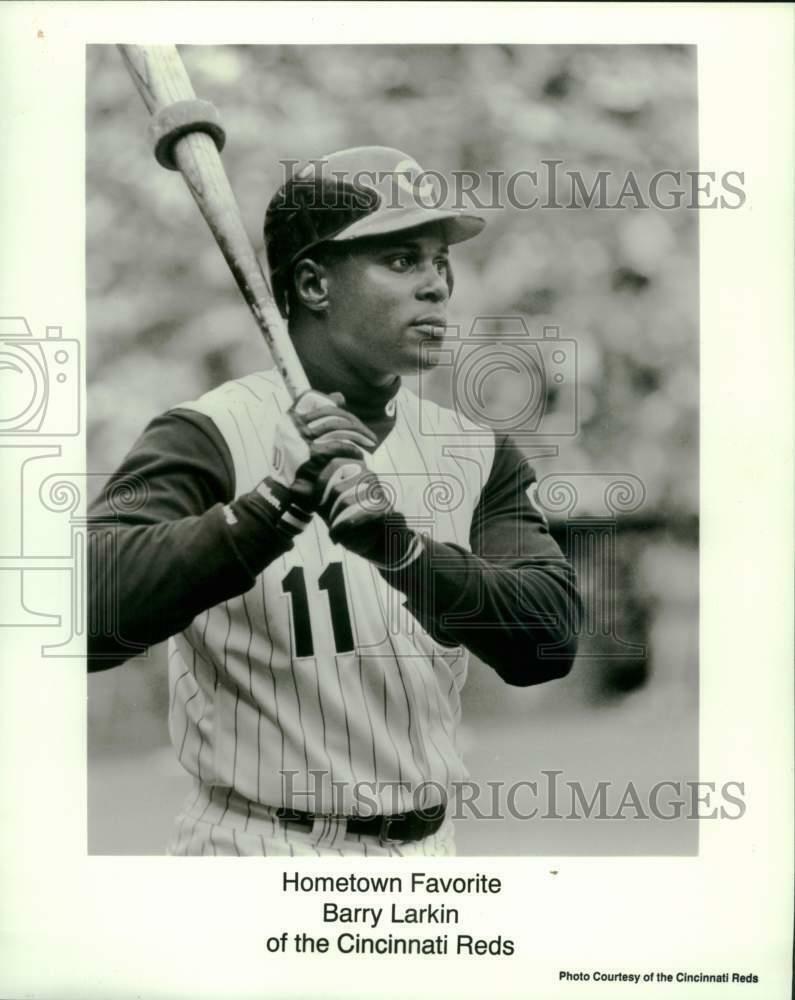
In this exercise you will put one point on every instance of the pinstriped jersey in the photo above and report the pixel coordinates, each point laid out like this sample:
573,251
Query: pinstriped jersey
317,688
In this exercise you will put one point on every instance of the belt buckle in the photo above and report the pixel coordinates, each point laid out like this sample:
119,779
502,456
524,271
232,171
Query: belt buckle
386,824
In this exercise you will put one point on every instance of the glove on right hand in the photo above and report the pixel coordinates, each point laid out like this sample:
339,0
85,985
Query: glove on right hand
313,432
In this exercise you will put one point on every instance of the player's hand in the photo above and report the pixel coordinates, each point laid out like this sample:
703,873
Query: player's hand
360,513
313,432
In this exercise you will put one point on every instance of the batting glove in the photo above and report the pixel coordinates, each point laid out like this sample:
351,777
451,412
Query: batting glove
360,513
315,431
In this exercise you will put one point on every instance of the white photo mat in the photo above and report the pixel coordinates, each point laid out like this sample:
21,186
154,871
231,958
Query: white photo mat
73,925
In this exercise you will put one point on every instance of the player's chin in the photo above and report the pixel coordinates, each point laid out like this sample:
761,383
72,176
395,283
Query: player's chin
420,358
428,359
422,350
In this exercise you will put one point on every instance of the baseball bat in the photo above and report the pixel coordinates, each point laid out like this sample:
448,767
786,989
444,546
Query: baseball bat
188,136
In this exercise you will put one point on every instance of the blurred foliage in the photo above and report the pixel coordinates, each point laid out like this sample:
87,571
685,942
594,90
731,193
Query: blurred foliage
166,321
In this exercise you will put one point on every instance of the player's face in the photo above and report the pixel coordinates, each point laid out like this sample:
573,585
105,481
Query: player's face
387,298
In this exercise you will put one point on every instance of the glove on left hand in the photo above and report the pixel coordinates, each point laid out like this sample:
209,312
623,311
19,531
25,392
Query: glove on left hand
360,512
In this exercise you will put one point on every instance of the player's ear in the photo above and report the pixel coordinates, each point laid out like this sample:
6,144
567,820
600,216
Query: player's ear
310,284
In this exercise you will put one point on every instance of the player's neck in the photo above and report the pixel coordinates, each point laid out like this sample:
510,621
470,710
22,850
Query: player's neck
329,374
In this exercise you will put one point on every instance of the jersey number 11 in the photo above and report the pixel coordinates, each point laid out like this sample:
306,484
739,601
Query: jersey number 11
332,580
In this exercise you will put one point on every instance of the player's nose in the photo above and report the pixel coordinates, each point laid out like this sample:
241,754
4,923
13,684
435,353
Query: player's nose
434,286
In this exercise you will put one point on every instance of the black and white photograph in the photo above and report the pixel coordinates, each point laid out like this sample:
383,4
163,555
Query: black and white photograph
395,553
434,569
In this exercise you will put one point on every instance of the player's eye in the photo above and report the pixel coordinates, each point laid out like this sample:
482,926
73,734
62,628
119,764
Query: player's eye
402,262
442,265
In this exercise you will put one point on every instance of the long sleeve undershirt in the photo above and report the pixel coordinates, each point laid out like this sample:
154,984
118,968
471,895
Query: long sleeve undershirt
166,552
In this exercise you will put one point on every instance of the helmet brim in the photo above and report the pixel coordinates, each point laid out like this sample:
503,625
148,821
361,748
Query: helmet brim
457,226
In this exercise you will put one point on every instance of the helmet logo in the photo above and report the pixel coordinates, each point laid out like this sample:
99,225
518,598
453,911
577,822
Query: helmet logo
412,179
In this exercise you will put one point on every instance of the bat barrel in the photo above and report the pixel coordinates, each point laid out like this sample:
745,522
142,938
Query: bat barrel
176,120
188,137
159,74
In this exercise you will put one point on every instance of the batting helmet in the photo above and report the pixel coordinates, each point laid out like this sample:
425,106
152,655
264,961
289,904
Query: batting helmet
350,195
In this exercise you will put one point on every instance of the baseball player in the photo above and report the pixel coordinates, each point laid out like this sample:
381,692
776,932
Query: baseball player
323,569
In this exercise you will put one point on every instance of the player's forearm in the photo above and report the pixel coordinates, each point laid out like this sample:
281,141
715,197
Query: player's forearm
149,581
520,619
168,540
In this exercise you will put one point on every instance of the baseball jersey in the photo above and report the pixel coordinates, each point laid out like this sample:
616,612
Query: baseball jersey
315,680
321,662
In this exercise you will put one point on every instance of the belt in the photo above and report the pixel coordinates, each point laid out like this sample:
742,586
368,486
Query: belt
399,828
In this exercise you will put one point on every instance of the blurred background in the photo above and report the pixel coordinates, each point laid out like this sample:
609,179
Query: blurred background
166,323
